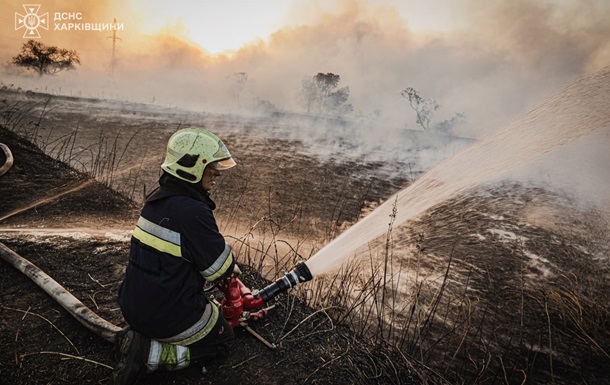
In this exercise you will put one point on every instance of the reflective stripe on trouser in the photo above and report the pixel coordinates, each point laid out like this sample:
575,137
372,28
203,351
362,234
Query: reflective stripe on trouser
171,356
199,330
167,356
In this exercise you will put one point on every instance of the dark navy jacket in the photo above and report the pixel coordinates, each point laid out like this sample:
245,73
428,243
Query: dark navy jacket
175,248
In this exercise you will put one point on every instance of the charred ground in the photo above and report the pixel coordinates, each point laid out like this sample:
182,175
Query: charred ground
43,344
503,285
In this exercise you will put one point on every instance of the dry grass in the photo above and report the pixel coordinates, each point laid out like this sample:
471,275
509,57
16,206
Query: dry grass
479,310
474,310
103,160
449,292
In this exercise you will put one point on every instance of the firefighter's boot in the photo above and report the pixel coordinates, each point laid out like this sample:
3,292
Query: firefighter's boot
134,349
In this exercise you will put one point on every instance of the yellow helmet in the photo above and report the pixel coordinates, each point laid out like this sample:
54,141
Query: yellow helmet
191,150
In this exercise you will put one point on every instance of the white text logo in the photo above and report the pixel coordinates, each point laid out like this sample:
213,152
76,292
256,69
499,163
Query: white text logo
31,21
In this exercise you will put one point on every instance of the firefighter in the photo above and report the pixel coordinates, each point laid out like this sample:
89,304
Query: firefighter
175,248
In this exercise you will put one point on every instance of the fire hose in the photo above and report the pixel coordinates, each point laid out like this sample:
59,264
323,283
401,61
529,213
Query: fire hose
238,305
76,308
8,163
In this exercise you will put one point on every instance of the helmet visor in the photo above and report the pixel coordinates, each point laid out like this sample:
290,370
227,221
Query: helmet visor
224,164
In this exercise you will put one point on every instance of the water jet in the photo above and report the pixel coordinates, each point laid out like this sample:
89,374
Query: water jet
554,123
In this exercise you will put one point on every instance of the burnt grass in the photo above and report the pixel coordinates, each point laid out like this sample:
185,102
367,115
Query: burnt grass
519,303
43,344
510,282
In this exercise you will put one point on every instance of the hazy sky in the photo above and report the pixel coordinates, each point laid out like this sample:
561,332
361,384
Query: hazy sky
219,26
490,60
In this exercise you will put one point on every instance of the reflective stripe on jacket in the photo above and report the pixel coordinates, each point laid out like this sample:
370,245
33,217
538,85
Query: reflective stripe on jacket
175,248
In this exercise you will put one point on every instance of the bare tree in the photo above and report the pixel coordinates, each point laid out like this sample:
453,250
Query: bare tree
45,59
424,108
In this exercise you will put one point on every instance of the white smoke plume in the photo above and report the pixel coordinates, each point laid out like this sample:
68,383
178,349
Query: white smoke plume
498,61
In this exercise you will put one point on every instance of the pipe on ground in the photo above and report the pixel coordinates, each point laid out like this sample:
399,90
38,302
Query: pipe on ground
76,308
9,159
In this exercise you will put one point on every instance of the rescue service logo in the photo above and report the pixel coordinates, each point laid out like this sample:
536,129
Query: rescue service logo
31,21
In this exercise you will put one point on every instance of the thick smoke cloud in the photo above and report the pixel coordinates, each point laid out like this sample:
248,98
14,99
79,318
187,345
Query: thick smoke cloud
506,57
500,60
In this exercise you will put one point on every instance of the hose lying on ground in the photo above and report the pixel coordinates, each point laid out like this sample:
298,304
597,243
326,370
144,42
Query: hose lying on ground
9,159
76,308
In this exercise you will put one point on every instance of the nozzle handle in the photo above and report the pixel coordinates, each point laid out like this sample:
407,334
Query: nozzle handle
299,274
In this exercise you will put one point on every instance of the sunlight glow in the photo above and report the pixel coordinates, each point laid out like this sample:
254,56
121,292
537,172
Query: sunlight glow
217,26
224,26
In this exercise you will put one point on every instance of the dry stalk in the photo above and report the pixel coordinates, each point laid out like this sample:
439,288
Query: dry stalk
291,300
386,260
68,356
26,312
103,286
323,366
307,318
550,331
245,361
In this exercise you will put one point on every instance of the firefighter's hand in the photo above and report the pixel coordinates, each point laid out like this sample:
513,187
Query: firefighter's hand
236,271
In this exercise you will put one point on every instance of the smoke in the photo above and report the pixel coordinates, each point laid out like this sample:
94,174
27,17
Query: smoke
498,61
579,169
501,59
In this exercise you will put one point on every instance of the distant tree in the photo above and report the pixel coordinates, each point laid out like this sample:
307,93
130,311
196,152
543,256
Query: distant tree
45,59
425,109
320,94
